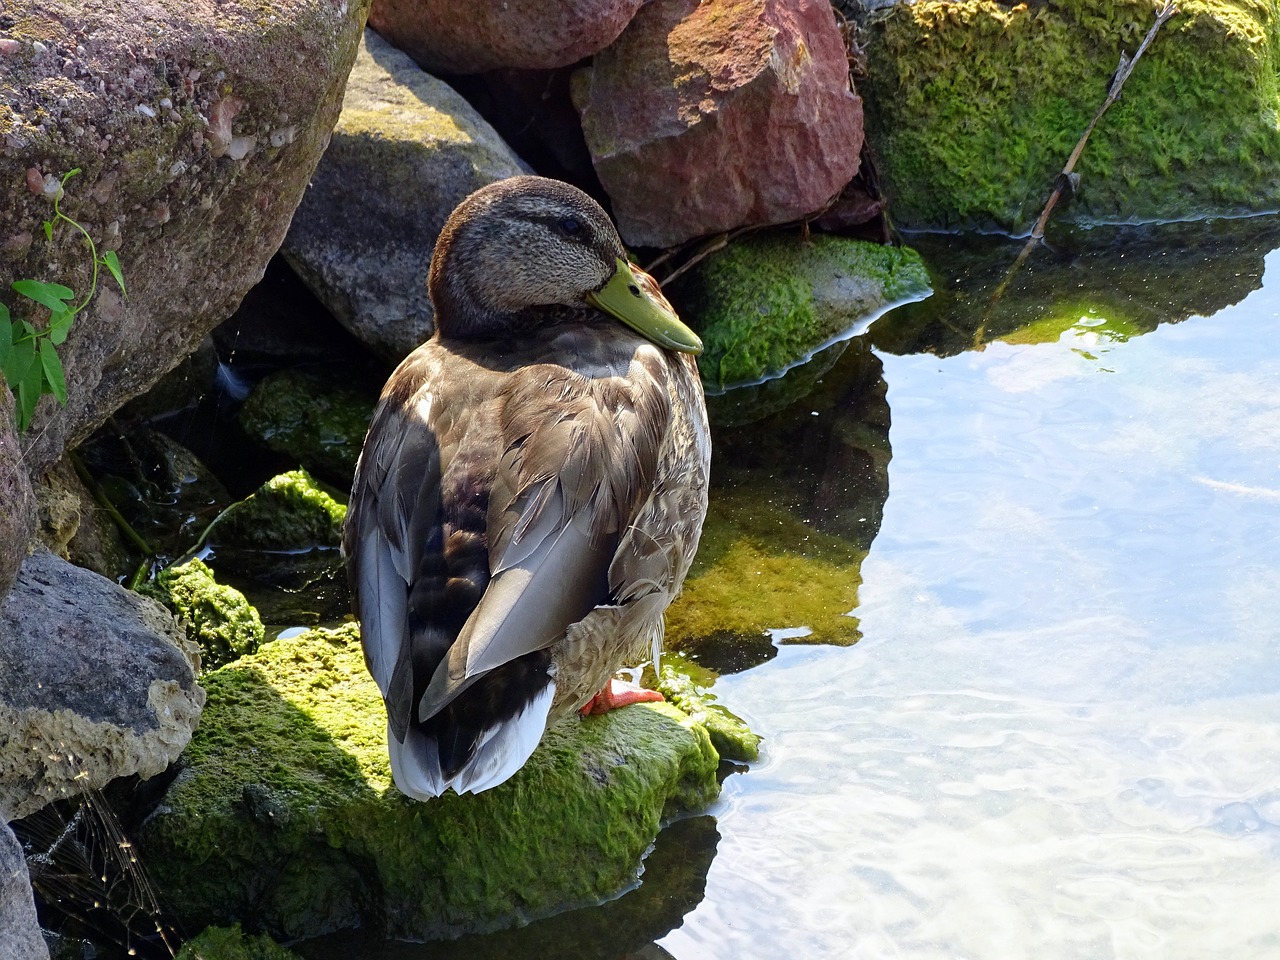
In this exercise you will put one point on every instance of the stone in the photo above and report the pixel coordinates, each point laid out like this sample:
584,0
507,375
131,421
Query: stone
18,518
731,737
707,116
767,303
231,943
288,512
286,813
96,683
319,424
406,150
195,127
75,526
20,937
973,108
448,37
216,617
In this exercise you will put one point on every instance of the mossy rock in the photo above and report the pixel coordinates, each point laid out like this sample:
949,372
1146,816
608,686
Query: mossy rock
288,512
975,105
759,568
231,943
769,303
285,816
731,737
216,617
320,425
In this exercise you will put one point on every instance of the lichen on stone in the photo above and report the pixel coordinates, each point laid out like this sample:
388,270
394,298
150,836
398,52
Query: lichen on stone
768,303
215,616
285,815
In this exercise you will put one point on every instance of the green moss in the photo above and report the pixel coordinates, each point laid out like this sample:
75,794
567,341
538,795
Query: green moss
758,568
731,737
285,815
768,303
974,107
320,425
215,616
288,512
230,943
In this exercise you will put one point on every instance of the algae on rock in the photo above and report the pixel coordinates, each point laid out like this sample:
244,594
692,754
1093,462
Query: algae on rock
216,617
285,816
767,304
288,512
231,943
974,106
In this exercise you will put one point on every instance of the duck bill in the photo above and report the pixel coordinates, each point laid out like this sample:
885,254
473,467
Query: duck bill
634,297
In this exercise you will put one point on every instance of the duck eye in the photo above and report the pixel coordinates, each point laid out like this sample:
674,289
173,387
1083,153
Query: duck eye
571,226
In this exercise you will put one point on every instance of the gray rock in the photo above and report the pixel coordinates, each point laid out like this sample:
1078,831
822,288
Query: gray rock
96,683
406,150
18,517
20,937
196,127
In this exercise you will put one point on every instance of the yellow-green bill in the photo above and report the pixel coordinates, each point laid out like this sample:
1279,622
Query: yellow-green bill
635,298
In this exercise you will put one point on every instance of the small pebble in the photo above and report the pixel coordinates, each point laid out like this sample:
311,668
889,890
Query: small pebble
145,111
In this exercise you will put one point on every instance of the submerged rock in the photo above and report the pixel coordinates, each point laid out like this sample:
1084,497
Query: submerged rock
216,617
407,149
232,943
96,683
703,117
19,928
320,425
286,818
767,304
975,105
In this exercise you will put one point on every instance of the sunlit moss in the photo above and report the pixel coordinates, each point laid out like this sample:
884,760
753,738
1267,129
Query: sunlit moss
288,512
975,105
231,943
216,617
285,812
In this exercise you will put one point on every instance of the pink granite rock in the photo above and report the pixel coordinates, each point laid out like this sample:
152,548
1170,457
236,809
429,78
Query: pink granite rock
450,37
707,116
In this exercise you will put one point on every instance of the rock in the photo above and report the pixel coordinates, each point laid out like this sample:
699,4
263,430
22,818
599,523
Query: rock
766,304
706,116
179,389
407,149
231,943
96,683
196,127
321,425
18,518
448,37
732,739
216,617
970,129
286,816
20,937
289,512
75,526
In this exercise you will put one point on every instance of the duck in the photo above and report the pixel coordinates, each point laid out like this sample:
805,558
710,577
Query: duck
531,490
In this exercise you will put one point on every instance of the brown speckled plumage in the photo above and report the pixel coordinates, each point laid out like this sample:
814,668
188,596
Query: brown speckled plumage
530,494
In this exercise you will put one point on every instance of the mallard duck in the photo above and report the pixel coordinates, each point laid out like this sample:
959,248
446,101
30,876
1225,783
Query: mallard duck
531,490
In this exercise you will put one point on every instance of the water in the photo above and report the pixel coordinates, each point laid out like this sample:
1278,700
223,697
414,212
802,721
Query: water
1060,735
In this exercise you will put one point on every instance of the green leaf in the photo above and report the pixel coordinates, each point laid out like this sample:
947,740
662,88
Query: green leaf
22,356
60,325
6,341
30,387
113,264
50,295
48,229
53,371
4,313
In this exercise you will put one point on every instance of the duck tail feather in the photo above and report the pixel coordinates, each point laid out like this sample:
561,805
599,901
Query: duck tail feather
415,764
504,748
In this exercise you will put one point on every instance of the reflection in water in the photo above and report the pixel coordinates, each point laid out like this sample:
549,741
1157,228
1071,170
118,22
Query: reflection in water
1060,735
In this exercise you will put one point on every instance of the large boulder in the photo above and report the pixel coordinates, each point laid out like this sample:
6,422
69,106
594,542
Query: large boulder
285,817
18,517
96,683
407,149
705,116
449,37
20,937
196,127
974,106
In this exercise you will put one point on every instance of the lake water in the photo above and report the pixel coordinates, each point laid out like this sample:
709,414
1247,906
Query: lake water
1060,733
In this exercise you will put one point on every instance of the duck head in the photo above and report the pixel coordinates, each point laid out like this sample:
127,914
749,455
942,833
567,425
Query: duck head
515,250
